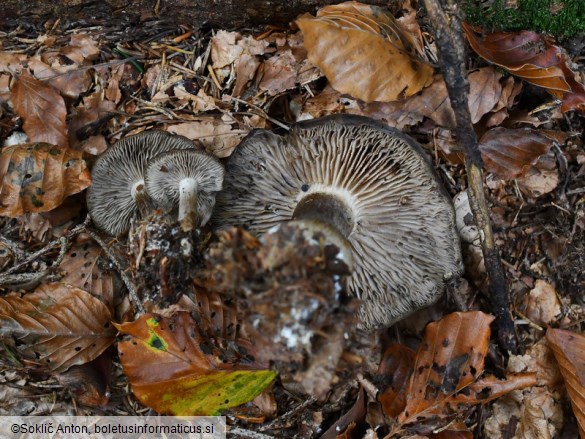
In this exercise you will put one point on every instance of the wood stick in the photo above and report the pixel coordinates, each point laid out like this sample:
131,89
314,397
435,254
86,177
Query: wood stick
446,27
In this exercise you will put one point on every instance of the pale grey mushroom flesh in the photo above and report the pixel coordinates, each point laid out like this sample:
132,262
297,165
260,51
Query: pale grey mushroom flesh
117,188
372,184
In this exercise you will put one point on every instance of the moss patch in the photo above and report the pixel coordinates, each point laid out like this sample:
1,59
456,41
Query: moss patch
560,18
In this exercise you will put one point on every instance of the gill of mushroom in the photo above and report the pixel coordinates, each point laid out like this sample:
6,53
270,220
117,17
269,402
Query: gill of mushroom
116,194
368,183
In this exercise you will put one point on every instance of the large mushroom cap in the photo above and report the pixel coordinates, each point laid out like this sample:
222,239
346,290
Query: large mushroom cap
170,175
379,190
118,177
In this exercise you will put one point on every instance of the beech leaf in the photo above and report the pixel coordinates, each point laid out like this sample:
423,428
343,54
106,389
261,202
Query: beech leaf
81,268
447,370
57,325
37,177
364,52
509,153
42,108
532,57
175,369
569,350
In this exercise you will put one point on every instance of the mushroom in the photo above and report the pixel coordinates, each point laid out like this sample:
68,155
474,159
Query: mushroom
188,179
370,183
117,191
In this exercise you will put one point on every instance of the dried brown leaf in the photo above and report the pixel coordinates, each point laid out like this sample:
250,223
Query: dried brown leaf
509,153
86,121
228,48
5,87
396,365
542,304
540,179
42,109
57,325
447,371
37,177
532,57
541,415
363,52
485,91
217,136
67,79
84,268
12,62
245,71
81,48
355,415
569,350
89,382
279,73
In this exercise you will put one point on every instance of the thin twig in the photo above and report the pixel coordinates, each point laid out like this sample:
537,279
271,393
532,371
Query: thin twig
31,280
448,36
260,112
46,249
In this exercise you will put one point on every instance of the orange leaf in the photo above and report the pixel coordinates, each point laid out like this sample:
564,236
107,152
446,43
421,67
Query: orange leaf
569,350
42,109
490,387
448,364
509,153
363,52
533,58
58,325
397,365
176,369
36,177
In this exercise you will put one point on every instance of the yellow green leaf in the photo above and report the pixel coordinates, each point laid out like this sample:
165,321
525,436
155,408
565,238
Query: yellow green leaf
176,368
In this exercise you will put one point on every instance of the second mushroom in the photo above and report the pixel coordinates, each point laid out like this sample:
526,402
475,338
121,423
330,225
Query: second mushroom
186,180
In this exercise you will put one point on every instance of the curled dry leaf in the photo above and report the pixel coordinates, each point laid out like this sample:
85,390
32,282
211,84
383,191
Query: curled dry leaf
509,153
396,366
176,369
447,373
342,428
532,57
42,109
37,177
57,326
569,351
89,383
363,52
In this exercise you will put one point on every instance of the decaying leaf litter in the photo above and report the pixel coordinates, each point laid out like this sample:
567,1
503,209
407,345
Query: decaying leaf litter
77,91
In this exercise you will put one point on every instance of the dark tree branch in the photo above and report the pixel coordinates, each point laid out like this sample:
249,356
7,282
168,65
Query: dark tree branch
447,32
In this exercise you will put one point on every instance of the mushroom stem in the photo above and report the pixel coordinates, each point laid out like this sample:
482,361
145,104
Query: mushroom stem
188,204
328,209
137,188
